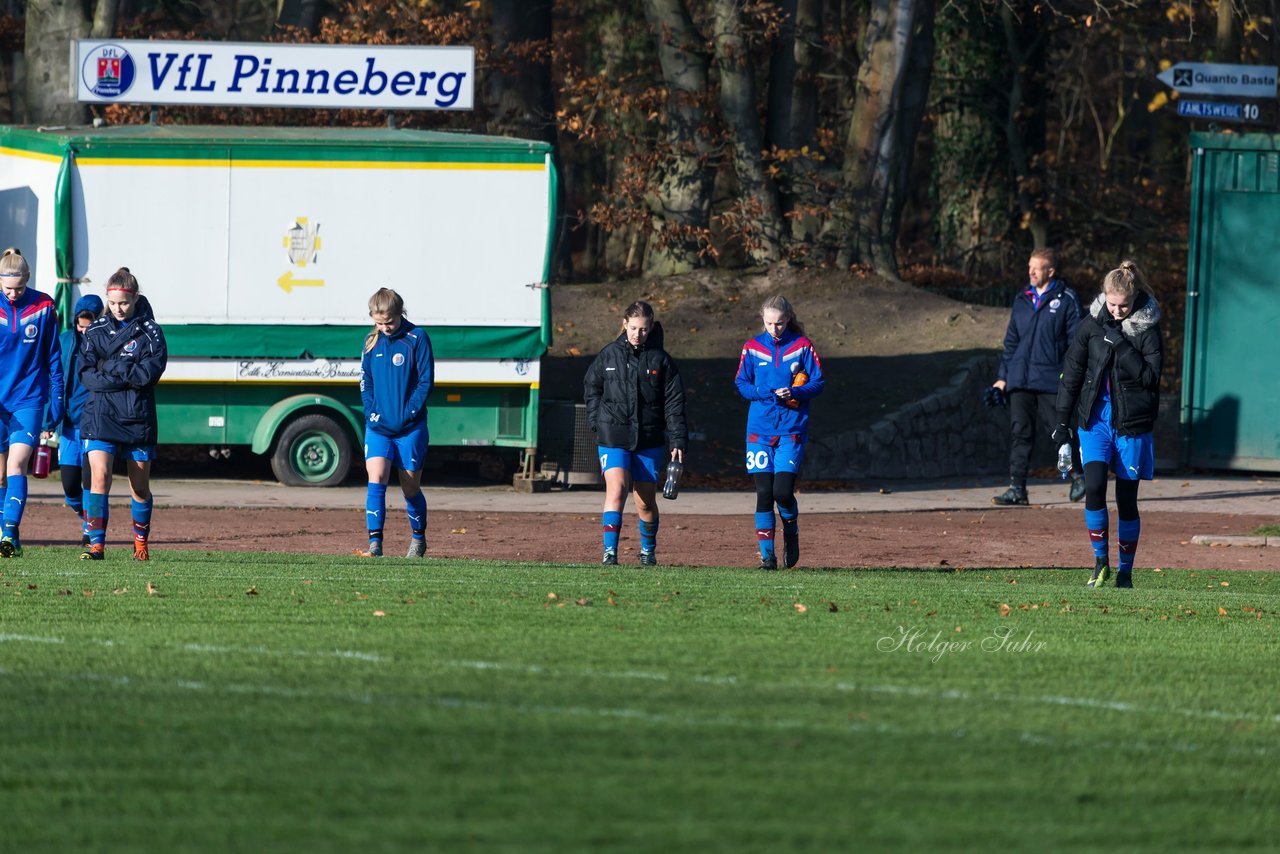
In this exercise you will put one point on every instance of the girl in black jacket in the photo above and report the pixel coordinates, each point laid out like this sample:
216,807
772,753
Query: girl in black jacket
1110,389
122,357
635,406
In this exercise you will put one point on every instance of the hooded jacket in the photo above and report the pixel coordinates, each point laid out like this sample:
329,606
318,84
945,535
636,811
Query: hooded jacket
635,397
766,365
120,364
1131,365
74,392
396,375
30,357
1038,336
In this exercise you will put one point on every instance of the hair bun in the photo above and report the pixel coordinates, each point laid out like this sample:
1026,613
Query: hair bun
12,250
123,270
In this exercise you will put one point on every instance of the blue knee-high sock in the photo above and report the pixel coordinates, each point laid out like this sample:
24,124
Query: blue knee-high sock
15,501
611,524
649,535
416,507
1096,522
95,521
1127,533
790,516
375,509
76,503
764,533
142,518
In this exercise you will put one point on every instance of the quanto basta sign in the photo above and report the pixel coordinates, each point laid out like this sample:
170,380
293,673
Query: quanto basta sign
241,74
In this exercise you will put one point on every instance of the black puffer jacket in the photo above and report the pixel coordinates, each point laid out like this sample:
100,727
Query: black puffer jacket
635,397
120,366
1133,363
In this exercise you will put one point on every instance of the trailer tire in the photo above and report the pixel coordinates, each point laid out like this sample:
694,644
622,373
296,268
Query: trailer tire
313,450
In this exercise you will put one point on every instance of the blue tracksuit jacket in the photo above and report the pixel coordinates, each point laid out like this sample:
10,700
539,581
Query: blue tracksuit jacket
1038,336
766,365
30,357
395,378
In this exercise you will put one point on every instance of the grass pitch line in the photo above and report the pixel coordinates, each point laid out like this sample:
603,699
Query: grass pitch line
298,653
28,639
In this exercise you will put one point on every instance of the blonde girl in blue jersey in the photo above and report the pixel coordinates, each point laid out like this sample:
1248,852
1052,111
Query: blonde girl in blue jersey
779,372
396,374
30,380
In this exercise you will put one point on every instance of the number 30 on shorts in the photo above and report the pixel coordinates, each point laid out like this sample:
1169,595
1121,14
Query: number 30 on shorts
785,457
758,461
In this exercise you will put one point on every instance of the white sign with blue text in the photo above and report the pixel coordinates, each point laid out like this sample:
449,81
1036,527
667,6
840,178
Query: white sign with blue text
240,74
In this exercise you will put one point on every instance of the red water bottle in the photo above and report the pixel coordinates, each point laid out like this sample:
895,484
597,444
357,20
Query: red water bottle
43,460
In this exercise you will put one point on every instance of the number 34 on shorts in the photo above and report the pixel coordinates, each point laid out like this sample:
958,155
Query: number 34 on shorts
785,457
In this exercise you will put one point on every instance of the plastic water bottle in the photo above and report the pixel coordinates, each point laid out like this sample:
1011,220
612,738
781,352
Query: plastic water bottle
44,458
1064,459
671,488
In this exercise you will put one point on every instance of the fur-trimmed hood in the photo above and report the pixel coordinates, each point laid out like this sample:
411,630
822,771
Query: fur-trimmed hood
1146,315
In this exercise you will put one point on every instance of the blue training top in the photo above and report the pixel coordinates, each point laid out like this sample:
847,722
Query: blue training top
396,375
30,357
766,365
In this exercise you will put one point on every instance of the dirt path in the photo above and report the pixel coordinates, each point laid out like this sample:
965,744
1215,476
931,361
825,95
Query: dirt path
937,539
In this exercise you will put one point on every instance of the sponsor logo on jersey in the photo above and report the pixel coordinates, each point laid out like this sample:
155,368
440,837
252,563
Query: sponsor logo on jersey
130,347
30,330
397,359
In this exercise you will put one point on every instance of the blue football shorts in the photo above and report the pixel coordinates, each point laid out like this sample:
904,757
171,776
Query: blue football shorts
1130,457
408,451
21,427
643,465
774,454
70,448
137,453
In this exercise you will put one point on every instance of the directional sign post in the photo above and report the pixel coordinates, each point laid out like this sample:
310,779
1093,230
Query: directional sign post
1222,111
1235,81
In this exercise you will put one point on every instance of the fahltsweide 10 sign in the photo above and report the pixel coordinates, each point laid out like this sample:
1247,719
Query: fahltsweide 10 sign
273,75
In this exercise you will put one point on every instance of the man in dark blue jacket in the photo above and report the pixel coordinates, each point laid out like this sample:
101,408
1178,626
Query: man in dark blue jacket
1043,322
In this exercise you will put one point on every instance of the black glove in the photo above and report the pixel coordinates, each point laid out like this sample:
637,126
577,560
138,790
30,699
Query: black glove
994,396
1061,434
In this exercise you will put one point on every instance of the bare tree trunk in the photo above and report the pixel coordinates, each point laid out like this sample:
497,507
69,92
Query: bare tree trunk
792,120
51,25
520,94
760,225
682,205
104,19
1228,41
1024,122
302,14
893,81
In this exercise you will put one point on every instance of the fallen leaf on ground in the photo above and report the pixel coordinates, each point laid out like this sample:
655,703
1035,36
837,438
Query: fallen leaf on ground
88,593
379,613
458,531
252,591
799,606
1004,609
552,595
583,602
120,591
1222,612
152,590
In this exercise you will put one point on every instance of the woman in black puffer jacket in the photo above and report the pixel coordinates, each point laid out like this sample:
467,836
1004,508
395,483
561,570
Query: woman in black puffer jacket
1110,390
635,406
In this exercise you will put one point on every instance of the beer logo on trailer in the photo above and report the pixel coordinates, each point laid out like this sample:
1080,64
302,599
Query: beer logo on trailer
108,71
302,242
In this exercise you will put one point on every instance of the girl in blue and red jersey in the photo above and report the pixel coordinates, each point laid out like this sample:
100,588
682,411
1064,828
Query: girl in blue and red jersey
30,380
122,357
71,461
396,373
779,372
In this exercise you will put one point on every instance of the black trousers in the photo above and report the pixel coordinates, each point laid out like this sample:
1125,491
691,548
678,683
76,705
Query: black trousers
1032,416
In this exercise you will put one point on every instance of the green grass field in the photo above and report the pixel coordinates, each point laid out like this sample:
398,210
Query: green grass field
269,702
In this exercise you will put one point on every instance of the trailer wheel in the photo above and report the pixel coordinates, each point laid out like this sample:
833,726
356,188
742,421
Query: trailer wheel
313,450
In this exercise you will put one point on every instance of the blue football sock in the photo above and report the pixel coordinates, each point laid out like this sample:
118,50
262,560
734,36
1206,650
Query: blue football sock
1096,521
76,503
1127,533
15,501
611,523
142,518
764,533
95,522
648,535
375,509
416,507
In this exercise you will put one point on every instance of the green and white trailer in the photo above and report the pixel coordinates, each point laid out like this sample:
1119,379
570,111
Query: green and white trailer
258,249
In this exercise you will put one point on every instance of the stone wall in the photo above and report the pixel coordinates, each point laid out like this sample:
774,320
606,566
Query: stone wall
948,433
